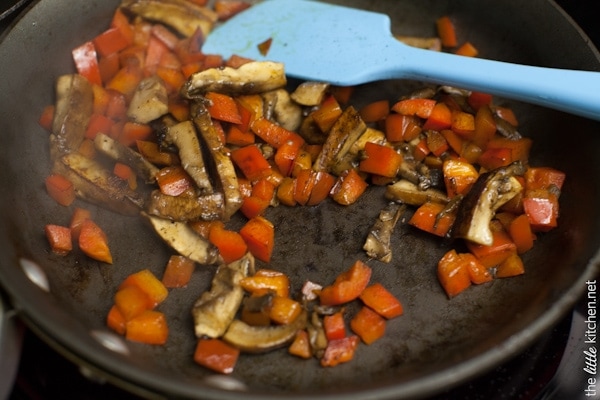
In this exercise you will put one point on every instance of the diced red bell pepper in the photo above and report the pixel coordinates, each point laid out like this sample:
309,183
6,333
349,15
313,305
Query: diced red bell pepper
478,99
453,274
259,235
116,321
339,351
178,271
216,355
111,41
173,180
93,242
501,247
149,327
368,325
86,62
334,326
149,284
375,111
446,31
521,233
230,243
459,176
267,280
440,118
382,301
493,158
463,123
399,127
59,238
427,218
543,178
380,160
512,266
284,310
60,189
79,215
251,161
300,347
436,142
328,112
348,188
347,286
131,301
274,134
223,107
542,209
420,107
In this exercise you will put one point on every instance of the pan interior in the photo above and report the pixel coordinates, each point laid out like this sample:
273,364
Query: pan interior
435,344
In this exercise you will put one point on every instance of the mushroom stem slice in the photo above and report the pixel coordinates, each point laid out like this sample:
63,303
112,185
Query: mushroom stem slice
259,339
490,191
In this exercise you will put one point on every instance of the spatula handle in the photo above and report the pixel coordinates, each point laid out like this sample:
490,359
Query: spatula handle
576,92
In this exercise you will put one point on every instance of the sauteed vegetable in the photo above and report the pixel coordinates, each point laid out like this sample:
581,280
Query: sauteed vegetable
150,126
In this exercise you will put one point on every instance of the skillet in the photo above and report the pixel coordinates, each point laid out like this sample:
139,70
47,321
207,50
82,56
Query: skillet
436,344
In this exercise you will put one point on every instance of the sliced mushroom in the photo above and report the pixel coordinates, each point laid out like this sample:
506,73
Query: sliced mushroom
184,240
370,135
251,78
310,131
119,152
96,184
505,128
225,176
259,339
183,16
316,334
407,192
149,101
310,93
73,108
207,207
280,108
344,132
215,310
429,43
377,245
490,191
183,135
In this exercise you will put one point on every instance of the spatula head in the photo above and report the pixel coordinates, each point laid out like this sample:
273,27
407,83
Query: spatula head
315,41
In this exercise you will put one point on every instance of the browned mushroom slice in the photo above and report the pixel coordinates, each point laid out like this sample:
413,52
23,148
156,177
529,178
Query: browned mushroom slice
96,184
73,108
184,136
404,191
181,15
280,108
225,176
377,245
429,43
310,93
215,310
207,207
149,101
259,339
184,240
251,78
119,152
344,132
490,191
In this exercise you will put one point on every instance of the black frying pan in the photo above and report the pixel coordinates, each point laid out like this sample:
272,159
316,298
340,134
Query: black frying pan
437,343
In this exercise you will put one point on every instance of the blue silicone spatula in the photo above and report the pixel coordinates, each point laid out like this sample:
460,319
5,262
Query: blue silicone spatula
346,46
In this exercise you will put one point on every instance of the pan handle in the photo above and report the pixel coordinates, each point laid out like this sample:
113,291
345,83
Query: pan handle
11,338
